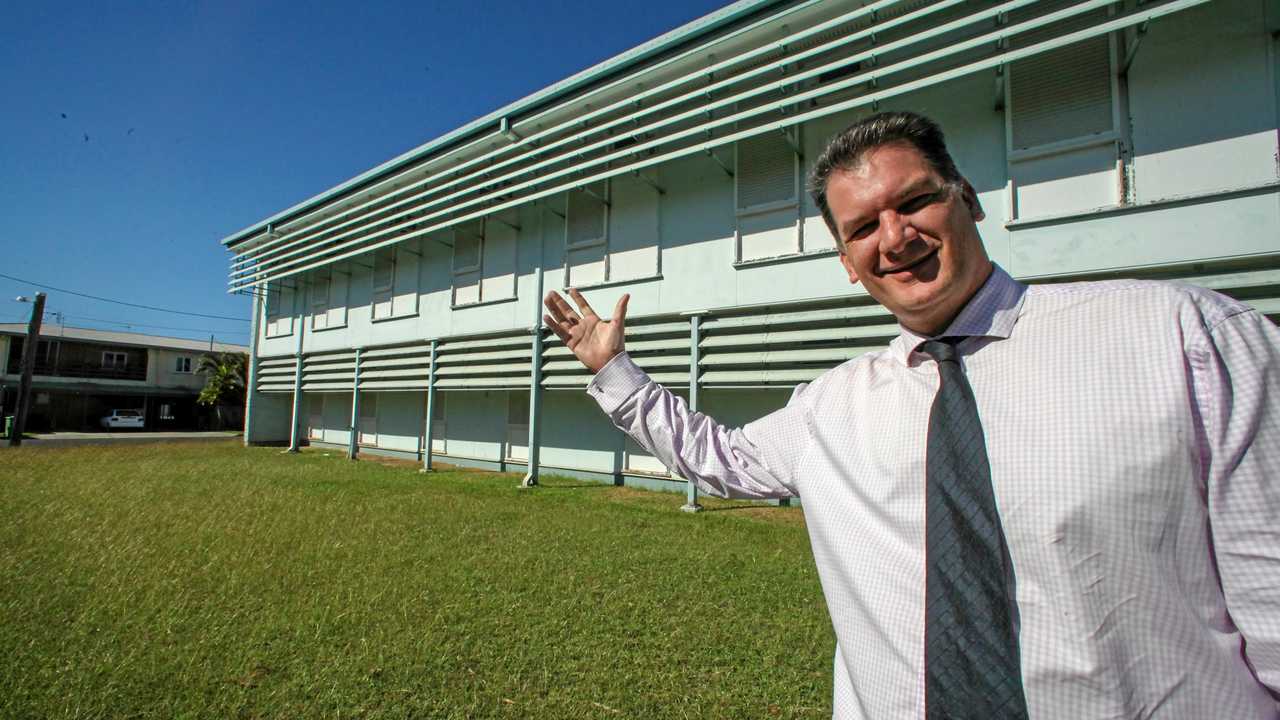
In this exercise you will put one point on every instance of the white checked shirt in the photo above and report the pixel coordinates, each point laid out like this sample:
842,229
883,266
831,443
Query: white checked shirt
1133,430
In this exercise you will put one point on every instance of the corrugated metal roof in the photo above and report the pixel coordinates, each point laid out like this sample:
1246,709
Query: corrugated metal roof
634,56
121,338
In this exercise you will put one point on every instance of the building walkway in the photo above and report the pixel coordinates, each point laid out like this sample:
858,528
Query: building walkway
67,439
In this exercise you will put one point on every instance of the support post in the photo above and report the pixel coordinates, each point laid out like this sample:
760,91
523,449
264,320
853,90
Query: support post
251,382
28,369
695,324
295,431
353,439
431,408
535,402
535,373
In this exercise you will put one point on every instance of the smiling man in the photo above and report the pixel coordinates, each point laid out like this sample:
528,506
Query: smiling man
1038,502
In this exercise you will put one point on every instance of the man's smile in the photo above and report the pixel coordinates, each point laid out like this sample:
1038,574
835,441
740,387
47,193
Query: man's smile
909,265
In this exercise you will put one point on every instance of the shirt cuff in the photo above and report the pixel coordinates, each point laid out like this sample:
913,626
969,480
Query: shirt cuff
616,382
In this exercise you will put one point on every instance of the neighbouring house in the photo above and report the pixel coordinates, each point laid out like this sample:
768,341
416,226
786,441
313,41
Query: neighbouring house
399,311
82,375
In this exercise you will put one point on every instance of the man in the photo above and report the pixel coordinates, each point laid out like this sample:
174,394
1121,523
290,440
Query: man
1056,501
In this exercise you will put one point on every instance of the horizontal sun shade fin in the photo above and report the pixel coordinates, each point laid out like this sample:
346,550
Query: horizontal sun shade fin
933,47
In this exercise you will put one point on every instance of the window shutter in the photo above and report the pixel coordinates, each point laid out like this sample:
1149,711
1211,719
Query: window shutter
1062,94
766,170
586,217
468,254
467,247
320,299
384,276
383,270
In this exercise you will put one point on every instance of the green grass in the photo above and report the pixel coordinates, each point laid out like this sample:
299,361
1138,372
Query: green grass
210,580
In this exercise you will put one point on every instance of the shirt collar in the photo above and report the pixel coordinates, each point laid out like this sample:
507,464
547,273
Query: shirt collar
991,312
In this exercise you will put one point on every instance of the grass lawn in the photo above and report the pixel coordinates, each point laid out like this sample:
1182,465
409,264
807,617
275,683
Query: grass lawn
210,580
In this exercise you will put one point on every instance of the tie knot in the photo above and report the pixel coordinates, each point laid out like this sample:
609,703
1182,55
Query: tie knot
943,350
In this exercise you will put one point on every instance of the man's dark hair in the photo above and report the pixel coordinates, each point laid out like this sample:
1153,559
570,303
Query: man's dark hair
846,150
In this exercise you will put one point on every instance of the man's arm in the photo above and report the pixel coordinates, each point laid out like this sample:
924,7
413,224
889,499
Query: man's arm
1238,392
755,461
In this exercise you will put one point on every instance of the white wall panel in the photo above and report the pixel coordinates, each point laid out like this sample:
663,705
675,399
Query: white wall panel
477,423
1202,99
1237,226
1066,182
400,420
337,418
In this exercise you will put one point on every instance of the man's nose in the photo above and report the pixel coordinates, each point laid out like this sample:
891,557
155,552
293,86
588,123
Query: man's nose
896,232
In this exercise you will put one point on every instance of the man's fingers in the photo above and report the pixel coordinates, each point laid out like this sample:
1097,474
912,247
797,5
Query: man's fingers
557,327
620,311
559,309
581,302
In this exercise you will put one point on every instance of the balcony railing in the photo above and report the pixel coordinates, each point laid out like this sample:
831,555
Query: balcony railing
84,370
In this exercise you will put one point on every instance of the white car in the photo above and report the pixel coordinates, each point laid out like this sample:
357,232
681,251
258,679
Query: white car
123,419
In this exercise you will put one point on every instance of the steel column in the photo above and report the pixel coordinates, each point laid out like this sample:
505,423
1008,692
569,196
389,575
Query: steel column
295,432
251,382
695,324
535,372
431,408
353,441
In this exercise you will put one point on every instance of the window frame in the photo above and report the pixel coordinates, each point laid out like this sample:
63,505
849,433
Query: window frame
606,205
274,311
455,271
182,361
794,139
123,356
1116,136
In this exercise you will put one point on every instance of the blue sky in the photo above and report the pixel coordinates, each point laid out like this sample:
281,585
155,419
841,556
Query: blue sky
185,122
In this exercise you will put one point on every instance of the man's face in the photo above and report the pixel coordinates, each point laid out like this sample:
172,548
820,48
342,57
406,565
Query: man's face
909,236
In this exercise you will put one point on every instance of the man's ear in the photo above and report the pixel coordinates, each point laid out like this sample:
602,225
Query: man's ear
970,197
848,266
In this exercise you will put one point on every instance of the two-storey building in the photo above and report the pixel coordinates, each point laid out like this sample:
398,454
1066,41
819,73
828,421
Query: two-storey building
399,311
81,375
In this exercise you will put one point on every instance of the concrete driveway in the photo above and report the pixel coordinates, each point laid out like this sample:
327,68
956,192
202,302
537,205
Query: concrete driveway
67,439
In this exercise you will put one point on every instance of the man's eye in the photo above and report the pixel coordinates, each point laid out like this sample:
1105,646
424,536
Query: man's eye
862,231
918,202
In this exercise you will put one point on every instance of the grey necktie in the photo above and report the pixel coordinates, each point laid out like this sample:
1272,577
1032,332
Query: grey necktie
972,665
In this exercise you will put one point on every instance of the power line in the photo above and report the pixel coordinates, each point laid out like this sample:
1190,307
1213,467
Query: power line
160,327
121,302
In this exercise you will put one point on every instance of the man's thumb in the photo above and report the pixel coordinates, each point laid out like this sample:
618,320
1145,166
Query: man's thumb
620,311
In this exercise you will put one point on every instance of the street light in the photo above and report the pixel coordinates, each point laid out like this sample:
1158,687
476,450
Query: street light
57,315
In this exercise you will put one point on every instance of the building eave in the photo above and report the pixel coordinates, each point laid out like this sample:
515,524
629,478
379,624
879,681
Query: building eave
531,103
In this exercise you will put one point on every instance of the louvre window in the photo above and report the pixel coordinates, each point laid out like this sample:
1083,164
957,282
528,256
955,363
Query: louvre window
767,171
328,290
468,265
395,281
320,299
587,236
279,309
1062,94
384,274
1064,141
767,197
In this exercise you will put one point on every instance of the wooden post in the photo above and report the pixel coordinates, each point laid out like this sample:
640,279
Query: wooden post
28,367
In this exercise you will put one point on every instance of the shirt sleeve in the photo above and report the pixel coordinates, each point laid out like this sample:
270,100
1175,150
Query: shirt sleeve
755,461
1238,391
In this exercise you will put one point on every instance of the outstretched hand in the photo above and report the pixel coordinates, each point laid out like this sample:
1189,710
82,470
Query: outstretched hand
592,340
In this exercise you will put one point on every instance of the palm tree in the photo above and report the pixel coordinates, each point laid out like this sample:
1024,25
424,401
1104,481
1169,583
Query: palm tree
225,381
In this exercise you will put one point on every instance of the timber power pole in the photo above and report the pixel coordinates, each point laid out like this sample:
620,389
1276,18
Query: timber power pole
28,366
